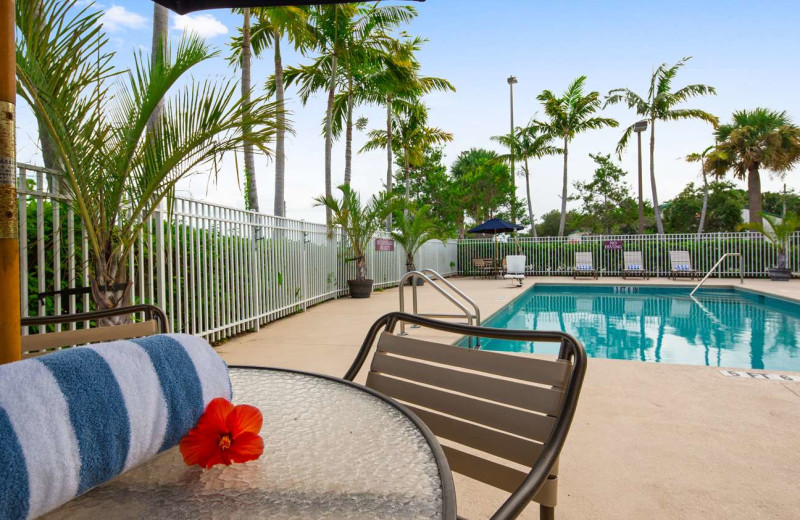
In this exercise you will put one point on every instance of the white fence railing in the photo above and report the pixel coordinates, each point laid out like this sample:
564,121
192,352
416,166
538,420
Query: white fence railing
216,271
556,255
219,271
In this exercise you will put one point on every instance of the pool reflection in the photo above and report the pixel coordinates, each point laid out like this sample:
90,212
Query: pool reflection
718,328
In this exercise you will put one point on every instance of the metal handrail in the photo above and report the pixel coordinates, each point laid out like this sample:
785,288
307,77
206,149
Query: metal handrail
470,301
415,275
711,271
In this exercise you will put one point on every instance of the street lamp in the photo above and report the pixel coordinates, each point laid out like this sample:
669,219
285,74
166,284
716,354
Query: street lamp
512,80
639,127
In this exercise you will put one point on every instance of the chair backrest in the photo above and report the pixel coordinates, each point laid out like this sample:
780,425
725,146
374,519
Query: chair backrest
515,264
488,262
497,407
583,260
632,260
38,344
477,262
680,260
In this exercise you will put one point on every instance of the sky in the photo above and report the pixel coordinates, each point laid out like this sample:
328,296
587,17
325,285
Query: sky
747,50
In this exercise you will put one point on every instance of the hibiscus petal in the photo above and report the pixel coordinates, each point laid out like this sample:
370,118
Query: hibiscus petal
214,417
246,446
199,446
244,418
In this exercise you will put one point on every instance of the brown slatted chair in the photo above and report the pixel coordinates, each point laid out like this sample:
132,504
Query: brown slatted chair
155,322
488,408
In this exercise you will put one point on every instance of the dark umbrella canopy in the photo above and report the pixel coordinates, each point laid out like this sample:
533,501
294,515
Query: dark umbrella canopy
495,226
187,6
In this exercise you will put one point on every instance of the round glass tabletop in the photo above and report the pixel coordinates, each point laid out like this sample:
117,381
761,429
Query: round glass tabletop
332,450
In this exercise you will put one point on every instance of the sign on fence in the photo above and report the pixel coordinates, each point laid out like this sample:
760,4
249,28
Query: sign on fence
384,244
612,244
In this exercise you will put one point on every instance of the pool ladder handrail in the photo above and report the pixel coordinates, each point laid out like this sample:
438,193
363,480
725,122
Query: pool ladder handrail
420,274
710,272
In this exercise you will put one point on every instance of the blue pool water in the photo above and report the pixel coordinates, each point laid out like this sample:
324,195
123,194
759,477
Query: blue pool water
719,327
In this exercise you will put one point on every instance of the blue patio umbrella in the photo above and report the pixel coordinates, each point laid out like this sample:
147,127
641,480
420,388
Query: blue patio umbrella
495,226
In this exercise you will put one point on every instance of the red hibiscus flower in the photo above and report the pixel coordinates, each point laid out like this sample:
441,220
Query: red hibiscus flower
223,435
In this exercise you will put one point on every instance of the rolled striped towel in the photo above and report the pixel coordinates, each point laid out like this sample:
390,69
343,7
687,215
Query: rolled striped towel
74,419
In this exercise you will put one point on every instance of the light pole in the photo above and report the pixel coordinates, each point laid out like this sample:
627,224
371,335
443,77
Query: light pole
639,127
512,80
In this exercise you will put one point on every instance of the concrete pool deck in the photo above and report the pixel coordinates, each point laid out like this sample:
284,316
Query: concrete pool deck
652,441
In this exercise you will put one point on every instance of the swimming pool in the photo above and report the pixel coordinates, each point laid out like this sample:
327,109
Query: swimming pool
718,327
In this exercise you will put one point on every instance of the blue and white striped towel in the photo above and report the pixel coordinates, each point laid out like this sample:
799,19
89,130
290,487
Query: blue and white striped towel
74,419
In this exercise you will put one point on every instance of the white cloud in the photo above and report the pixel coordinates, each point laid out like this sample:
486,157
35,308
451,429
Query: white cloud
117,18
204,25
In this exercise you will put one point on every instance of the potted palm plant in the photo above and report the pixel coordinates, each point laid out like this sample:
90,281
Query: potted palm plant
413,228
359,222
777,233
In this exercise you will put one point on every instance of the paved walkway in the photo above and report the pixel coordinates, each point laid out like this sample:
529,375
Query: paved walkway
650,441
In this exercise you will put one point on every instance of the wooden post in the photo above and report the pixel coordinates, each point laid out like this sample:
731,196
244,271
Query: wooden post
10,339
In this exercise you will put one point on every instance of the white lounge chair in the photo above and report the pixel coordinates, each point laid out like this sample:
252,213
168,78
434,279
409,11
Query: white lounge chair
515,269
633,265
681,265
584,265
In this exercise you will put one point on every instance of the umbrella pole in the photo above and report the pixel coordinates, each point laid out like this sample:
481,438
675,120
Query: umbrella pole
10,339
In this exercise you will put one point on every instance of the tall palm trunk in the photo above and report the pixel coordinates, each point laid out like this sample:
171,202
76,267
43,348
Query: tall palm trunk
407,172
280,135
530,202
329,138
563,221
705,204
656,210
389,156
754,193
348,146
159,45
251,191
49,157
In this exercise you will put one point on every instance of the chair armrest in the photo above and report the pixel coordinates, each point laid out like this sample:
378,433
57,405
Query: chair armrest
151,311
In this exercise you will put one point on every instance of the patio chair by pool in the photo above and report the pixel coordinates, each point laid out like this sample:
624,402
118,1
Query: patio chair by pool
584,266
503,408
633,265
681,265
515,269
479,264
155,322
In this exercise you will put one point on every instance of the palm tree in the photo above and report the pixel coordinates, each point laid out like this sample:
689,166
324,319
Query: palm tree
359,221
569,115
778,233
271,25
394,87
411,137
251,188
369,49
755,139
413,229
530,142
344,34
701,158
159,45
116,173
659,106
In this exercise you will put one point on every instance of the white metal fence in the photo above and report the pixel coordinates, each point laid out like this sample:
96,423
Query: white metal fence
556,255
215,270
218,271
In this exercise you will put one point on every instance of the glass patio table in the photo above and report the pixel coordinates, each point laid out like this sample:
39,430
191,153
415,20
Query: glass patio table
332,449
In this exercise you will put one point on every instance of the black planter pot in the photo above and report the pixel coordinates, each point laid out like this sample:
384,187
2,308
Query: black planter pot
360,288
780,274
